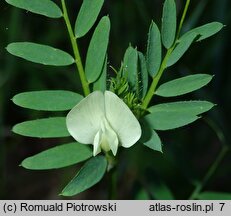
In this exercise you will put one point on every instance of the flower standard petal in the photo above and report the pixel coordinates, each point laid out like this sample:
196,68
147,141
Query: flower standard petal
122,120
83,121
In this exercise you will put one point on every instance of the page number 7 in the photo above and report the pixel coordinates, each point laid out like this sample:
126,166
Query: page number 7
221,206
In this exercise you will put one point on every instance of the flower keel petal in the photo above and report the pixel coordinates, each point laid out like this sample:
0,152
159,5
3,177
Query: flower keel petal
109,137
96,143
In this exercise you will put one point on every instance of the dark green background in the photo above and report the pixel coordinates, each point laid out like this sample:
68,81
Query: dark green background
187,151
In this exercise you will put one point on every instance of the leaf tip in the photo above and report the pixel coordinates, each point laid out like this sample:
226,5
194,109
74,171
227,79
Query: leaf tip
63,193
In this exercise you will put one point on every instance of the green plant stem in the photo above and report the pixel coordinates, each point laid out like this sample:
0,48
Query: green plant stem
157,77
156,80
216,163
210,172
113,184
183,18
85,84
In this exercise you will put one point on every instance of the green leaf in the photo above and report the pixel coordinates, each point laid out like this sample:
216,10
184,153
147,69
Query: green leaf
142,194
90,174
43,7
39,53
154,51
183,85
154,142
159,121
204,31
87,16
192,107
180,49
97,50
43,128
209,195
176,114
143,75
149,137
101,83
169,23
159,190
57,100
58,157
130,66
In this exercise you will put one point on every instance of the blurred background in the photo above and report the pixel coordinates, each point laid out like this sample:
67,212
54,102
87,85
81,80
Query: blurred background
188,151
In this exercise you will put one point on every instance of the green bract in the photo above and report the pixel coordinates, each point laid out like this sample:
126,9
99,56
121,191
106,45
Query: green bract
130,66
142,83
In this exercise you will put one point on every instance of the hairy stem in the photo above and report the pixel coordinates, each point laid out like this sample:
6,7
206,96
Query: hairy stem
157,77
78,61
